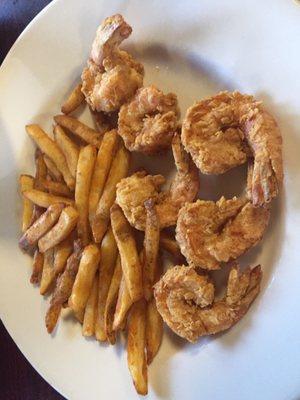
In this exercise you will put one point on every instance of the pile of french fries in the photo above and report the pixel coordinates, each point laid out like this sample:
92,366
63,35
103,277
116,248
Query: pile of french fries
84,251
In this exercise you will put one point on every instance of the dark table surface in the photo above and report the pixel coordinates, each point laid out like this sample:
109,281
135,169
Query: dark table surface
19,381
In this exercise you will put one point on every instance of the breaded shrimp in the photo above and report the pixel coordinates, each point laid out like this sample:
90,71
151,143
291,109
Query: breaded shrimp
148,123
185,300
112,76
209,233
132,192
223,131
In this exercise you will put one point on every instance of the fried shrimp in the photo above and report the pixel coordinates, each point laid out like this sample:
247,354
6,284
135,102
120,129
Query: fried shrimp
112,76
132,192
223,131
186,302
209,233
148,123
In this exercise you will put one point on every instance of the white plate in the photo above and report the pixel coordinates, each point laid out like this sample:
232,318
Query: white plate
200,48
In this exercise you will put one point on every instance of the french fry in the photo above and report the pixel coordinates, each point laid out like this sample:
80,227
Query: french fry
131,265
52,169
58,188
118,170
26,183
63,288
85,167
51,149
40,169
79,129
68,147
37,267
44,199
103,162
88,327
107,263
124,303
48,272
74,100
111,302
151,246
171,246
41,226
61,254
154,330
64,226
136,341
84,278
79,315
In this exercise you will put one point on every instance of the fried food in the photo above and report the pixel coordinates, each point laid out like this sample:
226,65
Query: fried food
40,227
130,261
84,279
170,245
40,169
58,188
224,130
45,200
154,330
119,169
61,230
68,147
109,253
85,168
151,248
103,162
111,302
62,252
37,267
52,170
48,272
74,100
209,233
79,129
51,149
186,302
124,302
136,342
148,122
26,182
112,76
132,192
63,287
88,326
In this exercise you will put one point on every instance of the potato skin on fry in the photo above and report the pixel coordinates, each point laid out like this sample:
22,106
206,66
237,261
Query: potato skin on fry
44,199
48,272
26,183
88,327
68,147
136,341
40,227
154,330
75,98
37,267
130,261
64,226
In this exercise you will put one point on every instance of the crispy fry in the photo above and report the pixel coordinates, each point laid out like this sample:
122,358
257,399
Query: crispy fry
171,246
88,328
68,147
84,279
79,315
48,272
85,167
104,159
154,330
41,226
118,170
79,129
37,267
51,149
52,169
44,199
61,254
136,341
74,100
111,302
64,226
37,212
109,253
131,265
63,287
40,169
124,303
151,246
53,187
26,183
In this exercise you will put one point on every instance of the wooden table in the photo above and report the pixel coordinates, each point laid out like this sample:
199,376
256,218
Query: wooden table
19,381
